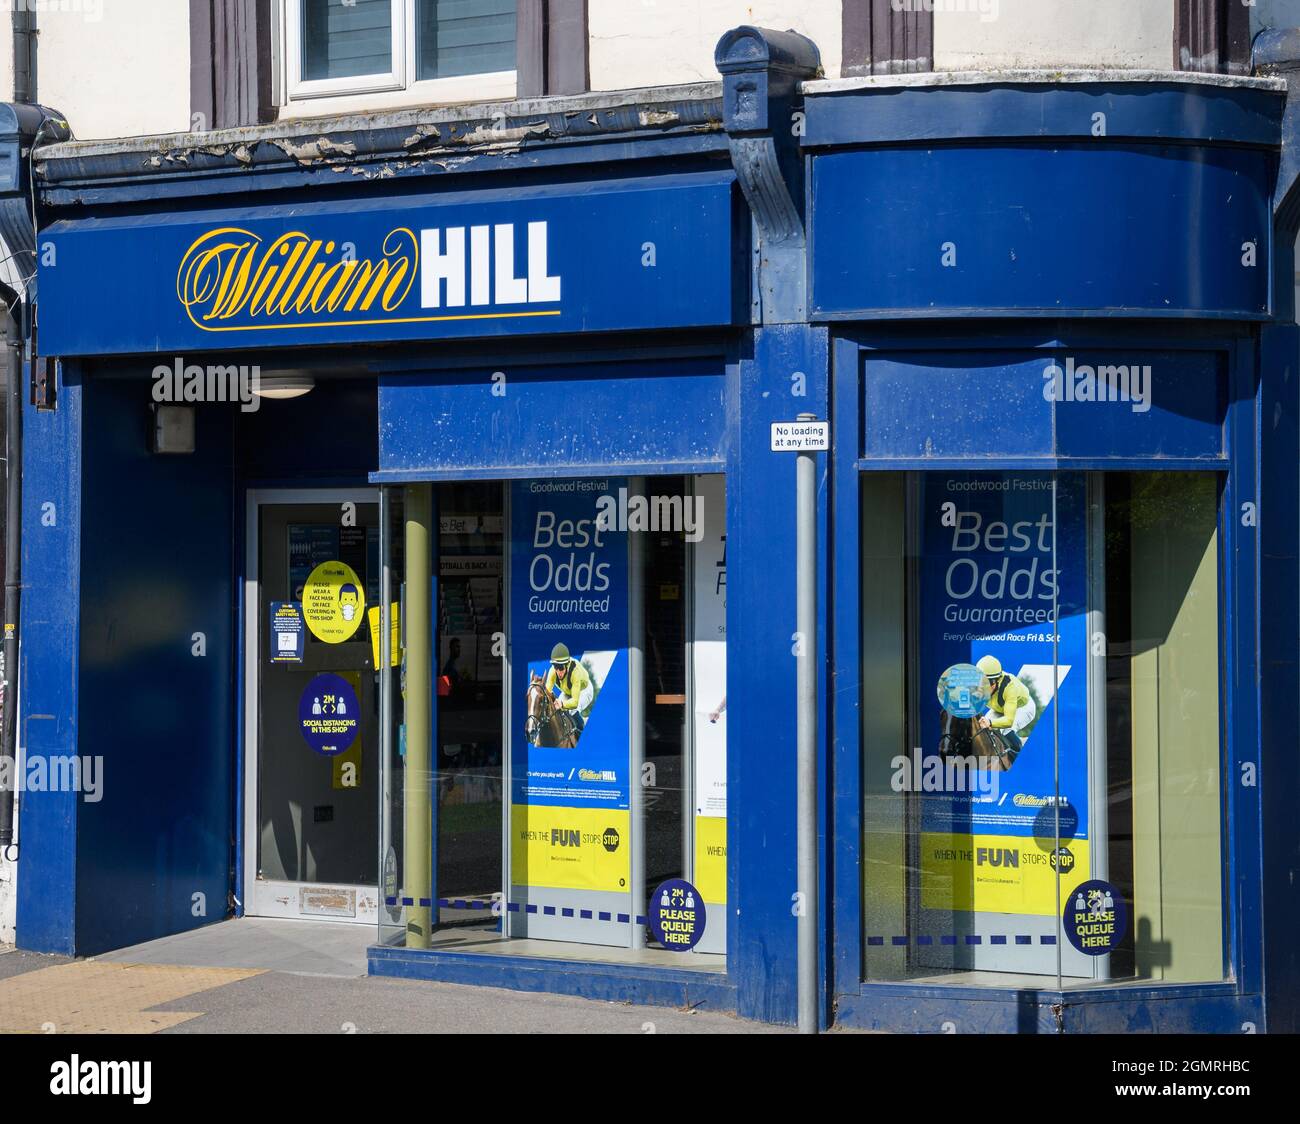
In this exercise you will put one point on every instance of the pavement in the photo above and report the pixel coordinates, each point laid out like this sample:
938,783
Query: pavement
257,976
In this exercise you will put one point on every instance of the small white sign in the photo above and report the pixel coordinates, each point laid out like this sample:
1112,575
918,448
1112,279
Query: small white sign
801,436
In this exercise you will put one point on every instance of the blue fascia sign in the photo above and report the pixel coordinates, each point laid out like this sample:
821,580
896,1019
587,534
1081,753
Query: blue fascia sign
620,255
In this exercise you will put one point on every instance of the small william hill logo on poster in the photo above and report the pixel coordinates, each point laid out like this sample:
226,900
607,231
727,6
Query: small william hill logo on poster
233,280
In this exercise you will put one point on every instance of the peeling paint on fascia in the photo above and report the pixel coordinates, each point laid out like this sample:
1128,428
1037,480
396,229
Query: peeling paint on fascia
422,135
442,165
240,152
490,134
383,172
315,152
651,117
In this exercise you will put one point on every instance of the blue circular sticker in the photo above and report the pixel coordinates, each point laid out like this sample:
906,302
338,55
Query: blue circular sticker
1095,918
329,714
963,690
677,915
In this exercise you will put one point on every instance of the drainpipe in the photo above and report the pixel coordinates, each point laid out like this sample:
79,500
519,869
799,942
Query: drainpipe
12,343
24,48
24,22
23,125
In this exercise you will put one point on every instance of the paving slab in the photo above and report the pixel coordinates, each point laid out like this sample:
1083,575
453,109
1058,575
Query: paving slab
312,948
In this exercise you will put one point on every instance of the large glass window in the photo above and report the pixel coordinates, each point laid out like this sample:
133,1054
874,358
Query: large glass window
556,716
1041,728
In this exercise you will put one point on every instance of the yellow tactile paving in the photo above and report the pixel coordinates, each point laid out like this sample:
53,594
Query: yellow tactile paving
90,997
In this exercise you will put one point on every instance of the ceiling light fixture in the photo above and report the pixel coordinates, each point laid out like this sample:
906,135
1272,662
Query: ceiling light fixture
285,384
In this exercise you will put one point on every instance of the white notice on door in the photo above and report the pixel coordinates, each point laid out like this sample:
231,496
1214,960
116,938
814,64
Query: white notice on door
801,436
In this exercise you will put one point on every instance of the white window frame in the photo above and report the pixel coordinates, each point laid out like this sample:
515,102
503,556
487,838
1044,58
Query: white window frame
401,77
393,79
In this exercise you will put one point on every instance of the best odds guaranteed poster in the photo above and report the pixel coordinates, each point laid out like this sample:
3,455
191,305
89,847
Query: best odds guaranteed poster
990,584
569,803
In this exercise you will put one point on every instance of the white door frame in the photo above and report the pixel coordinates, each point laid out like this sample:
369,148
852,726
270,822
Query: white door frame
264,898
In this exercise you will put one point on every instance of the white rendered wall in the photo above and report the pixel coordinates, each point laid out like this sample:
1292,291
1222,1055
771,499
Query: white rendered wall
1073,34
638,43
116,68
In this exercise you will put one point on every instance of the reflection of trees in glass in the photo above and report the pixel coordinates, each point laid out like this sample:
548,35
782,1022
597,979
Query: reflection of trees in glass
1155,502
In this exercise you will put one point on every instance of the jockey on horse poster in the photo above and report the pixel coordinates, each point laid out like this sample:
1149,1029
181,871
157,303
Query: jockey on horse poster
576,690
1011,706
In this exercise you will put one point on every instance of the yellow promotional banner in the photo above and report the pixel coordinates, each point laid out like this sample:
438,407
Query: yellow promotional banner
333,602
395,629
569,848
711,858
996,874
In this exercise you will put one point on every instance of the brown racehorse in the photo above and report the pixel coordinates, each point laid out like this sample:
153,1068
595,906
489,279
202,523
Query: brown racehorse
962,737
545,724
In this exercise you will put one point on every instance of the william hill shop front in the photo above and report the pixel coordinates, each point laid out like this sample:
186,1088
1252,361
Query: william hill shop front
405,531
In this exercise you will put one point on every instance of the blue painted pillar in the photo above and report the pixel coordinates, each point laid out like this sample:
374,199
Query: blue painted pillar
1277,53
762,949
49,666
782,374
1278,614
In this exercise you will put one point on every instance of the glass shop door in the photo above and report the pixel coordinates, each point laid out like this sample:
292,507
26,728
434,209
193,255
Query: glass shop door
311,823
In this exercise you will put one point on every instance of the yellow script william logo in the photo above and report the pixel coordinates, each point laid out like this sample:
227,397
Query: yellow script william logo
231,280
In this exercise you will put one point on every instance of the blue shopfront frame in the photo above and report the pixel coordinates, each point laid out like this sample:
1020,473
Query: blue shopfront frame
853,312
1232,1006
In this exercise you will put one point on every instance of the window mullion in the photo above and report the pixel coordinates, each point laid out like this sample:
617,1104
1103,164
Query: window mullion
403,37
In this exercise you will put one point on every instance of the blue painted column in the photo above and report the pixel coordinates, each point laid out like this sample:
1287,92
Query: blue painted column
49,666
1277,53
762,948
783,374
1279,670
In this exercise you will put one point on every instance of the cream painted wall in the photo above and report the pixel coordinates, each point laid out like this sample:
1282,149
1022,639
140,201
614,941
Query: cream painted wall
116,68
663,42
6,61
1001,34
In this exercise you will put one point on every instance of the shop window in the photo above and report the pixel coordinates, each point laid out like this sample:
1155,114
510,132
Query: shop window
1041,738
362,46
556,715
